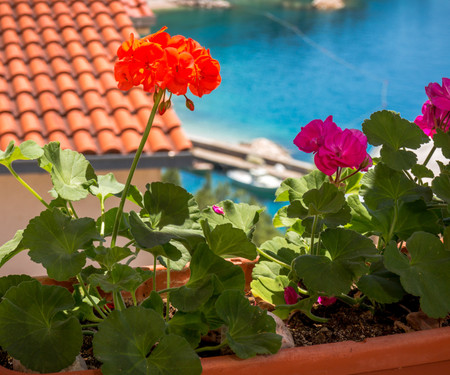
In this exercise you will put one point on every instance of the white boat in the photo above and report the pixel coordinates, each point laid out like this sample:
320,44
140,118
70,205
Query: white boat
256,180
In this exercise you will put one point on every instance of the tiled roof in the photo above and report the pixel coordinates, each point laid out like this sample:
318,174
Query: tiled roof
57,81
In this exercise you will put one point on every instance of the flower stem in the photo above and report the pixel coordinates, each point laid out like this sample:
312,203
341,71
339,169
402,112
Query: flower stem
313,234
430,154
168,294
28,187
273,259
208,348
154,273
83,286
157,98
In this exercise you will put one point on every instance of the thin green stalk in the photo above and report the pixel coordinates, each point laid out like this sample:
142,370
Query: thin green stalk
87,332
102,218
137,156
393,224
154,273
208,348
133,296
72,208
28,187
89,325
430,154
273,259
83,286
167,290
313,234
168,294
119,304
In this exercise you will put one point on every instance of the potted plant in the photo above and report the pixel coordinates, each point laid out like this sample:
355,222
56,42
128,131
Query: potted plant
327,252
43,325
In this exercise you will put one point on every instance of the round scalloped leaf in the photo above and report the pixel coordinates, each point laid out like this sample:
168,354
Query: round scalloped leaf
55,239
250,330
229,242
35,331
7,282
28,150
120,277
167,203
381,285
240,215
442,140
327,199
133,342
441,187
398,160
294,188
11,248
388,128
107,186
191,326
70,171
209,274
343,261
426,274
381,186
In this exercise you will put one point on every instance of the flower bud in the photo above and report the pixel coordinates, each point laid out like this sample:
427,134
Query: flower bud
189,104
218,210
162,108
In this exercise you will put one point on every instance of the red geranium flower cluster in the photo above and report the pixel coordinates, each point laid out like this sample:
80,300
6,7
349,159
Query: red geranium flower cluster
161,61
333,147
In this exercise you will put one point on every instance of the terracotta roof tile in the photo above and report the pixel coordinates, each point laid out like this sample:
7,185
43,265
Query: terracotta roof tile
57,82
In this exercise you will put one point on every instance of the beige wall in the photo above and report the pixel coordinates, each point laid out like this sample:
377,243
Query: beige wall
18,206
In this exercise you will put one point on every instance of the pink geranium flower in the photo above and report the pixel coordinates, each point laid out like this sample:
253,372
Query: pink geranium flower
439,95
290,295
218,210
326,301
432,118
312,136
345,149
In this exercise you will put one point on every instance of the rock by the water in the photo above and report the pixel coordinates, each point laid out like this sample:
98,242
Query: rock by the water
328,4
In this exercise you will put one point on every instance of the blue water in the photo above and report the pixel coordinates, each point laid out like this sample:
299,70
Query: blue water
282,68
274,80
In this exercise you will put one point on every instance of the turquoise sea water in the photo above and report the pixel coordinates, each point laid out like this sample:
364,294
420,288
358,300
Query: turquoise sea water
282,68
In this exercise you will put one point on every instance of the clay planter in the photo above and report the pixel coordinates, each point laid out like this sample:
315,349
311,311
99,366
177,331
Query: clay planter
415,353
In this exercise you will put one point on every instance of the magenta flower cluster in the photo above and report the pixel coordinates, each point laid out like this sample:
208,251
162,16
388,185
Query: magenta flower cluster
436,110
291,297
333,147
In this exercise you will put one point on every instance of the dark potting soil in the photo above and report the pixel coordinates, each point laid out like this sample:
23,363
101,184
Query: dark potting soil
345,323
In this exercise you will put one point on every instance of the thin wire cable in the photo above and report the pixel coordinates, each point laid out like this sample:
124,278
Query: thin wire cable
337,59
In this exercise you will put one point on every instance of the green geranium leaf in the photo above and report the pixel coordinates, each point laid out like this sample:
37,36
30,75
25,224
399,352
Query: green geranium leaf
270,289
398,160
382,186
134,195
210,274
441,187
250,330
179,264
353,183
294,188
28,150
121,277
282,219
228,242
426,274
7,282
133,342
279,248
35,331
326,199
420,171
240,215
55,239
305,305
146,237
107,186
108,256
388,128
296,210
11,248
70,171
442,140
167,204
155,302
343,261
109,218
381,285
191,326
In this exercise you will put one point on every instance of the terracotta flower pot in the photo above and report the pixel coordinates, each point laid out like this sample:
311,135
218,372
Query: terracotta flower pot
415,353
